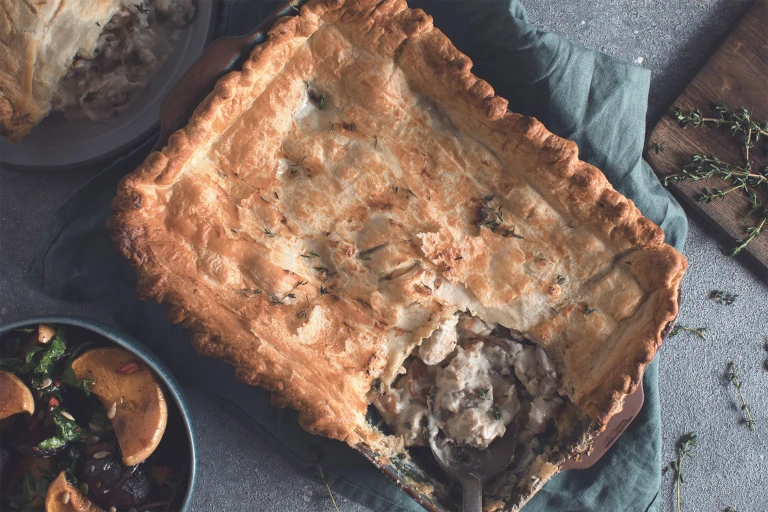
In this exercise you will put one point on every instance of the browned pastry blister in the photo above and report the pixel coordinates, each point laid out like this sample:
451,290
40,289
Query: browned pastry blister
328,206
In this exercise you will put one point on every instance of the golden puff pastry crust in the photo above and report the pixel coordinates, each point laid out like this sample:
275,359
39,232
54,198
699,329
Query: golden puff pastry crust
38,40
330,205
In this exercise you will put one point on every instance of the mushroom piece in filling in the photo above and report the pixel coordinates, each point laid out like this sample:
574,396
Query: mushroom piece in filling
480,380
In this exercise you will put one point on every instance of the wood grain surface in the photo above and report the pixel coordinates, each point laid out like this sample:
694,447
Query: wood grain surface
738,75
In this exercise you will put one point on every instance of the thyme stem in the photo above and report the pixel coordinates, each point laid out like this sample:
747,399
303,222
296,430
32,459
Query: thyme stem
325,482
734,378
685,447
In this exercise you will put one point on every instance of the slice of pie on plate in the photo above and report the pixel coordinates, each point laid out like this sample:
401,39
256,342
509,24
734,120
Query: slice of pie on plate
85,58
357,223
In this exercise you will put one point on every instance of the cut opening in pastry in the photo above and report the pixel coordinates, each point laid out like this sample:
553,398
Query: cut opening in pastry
481,378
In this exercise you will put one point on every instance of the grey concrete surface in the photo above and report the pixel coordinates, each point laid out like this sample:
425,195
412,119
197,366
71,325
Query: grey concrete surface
673,38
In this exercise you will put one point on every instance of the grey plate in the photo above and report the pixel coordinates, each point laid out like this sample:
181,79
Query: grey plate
58,144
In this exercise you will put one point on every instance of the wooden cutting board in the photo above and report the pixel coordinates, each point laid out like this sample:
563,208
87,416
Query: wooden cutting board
738,75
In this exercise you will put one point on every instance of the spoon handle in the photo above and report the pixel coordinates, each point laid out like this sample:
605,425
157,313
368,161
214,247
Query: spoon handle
473,494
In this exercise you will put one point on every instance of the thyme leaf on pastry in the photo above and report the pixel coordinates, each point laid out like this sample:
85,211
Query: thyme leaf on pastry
511,232
724,298
296,167
685,446
303,312
324,272
733,376
315,97
269,233
698,332
458,258
278,301
588,310
489,216
411,193
742,179
323,290
560,279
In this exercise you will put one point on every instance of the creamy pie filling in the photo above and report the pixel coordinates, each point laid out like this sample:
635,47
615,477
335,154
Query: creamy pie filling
480,379
128,53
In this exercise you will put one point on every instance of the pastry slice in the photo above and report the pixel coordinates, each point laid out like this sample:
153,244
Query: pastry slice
357,223
38,40
85,58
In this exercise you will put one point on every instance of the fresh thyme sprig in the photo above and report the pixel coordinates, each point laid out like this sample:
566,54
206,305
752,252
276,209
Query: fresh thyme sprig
742,178
677,329
733,376
685,446
725,298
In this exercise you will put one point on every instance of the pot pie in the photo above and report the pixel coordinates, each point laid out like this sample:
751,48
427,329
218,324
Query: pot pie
358,224
88,59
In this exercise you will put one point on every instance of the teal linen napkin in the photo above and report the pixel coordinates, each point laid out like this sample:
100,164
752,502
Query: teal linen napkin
580,94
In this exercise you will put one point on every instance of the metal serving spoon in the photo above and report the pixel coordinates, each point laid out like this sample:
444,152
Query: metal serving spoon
470,466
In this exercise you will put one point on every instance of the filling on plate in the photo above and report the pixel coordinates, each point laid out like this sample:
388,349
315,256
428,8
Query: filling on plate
129,52
479,378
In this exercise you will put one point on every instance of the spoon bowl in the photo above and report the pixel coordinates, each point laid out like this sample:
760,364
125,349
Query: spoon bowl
472,466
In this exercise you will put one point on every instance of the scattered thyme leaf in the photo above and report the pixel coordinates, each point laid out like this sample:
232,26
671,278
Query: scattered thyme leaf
724,298
269,233
677,329
733,376
588,310
658,148
560,279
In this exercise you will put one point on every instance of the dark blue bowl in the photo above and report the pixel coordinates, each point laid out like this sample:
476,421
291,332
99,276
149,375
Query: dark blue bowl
135,347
